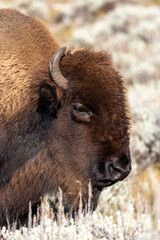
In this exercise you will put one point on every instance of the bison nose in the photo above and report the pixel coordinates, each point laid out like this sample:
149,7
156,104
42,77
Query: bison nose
115,169
115,172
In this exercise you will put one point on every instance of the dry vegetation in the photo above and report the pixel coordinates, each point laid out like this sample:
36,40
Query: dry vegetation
130,32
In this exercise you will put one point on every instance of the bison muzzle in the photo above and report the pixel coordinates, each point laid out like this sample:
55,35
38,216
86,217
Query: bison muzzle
64,118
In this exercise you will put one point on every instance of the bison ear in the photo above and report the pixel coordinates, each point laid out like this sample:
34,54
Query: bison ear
48,103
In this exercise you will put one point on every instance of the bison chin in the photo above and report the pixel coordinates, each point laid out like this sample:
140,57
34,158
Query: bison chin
84,202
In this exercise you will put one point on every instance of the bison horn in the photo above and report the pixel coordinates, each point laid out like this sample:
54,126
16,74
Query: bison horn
55,72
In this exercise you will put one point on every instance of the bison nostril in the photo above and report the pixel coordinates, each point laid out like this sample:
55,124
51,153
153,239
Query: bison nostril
111,169
117,169
114,170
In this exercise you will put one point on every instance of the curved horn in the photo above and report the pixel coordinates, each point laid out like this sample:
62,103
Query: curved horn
55,72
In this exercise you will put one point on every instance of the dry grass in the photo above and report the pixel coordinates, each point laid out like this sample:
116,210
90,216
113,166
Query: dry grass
119,216
148,2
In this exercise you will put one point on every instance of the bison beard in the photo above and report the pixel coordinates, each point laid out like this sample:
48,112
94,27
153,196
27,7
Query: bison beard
60,125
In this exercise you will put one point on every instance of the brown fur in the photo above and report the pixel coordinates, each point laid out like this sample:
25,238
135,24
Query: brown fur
41,146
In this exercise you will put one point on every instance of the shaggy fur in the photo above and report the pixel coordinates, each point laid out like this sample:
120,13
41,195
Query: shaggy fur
42,145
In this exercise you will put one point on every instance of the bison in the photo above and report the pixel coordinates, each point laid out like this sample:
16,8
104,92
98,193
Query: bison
64,118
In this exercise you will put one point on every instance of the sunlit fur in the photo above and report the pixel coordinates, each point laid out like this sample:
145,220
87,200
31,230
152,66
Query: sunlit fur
41,146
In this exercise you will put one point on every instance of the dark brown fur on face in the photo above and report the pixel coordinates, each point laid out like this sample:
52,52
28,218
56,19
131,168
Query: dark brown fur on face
50,137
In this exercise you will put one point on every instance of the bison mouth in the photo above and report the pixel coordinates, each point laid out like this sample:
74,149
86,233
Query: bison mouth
103,183
97,188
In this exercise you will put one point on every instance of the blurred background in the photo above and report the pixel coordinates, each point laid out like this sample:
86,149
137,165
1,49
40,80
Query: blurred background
130,32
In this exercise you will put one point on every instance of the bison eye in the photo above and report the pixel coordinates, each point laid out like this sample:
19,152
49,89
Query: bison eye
81,113
80,110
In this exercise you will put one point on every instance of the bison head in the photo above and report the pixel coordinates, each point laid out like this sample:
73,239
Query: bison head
89,137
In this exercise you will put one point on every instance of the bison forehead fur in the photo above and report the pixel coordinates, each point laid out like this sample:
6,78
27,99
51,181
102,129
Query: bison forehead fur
52,136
